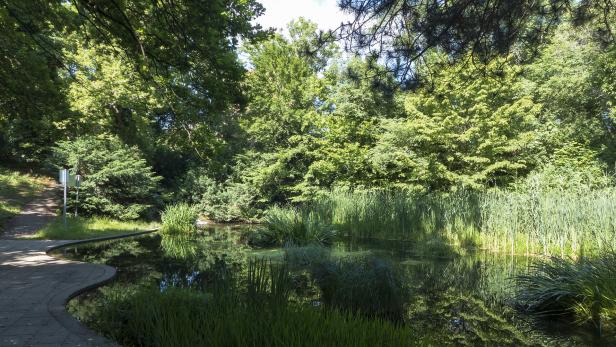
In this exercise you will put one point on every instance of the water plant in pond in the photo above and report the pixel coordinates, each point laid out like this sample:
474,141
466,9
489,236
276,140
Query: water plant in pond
260,317
548,221
287,227
179,219
584,289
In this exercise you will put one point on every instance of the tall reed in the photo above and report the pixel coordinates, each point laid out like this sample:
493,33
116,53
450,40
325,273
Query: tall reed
541,221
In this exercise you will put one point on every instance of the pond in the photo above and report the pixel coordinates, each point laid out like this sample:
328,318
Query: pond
450,299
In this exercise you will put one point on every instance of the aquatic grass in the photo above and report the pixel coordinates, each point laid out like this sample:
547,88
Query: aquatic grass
183,317
293,227
583,288
79,228
532,221
179,219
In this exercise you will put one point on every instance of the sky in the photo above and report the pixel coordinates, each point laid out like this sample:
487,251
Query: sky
278,13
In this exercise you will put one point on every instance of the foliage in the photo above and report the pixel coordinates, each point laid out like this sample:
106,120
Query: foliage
183,317
585,289
117,181
465,130
115,67
85,228
179,219
402,33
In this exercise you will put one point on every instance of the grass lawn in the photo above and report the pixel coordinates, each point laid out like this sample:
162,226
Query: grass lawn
84,228
16,189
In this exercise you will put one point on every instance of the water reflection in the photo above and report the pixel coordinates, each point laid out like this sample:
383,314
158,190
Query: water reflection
462,299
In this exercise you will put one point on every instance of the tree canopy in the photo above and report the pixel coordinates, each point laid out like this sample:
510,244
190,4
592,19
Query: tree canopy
205,106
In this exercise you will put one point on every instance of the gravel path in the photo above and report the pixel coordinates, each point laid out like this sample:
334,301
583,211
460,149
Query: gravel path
35,215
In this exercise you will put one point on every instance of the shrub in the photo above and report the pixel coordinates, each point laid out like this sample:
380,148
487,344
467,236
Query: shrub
179,219
585,289
117,181
222,202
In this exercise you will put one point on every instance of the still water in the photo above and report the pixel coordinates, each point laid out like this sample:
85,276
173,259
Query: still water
458,299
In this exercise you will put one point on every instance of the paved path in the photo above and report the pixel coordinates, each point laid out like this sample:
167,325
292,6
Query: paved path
35,287
35,215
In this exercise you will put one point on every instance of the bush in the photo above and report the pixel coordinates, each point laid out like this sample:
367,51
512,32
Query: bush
221,202
117,181
179,219
585,289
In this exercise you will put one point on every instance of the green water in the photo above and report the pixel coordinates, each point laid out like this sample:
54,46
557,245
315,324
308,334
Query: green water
456,299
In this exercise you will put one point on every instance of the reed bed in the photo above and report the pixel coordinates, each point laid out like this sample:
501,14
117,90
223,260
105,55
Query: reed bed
257,313
549,221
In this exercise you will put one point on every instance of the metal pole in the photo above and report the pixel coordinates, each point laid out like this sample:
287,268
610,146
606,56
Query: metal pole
77,196
65,173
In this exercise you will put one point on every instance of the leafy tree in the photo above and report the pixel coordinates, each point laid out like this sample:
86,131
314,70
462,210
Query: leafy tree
403,32
566,80
116,179
468,129
122,61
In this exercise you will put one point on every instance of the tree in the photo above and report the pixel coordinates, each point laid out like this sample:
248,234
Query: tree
572,78
183,52
469,129
117,182
402,32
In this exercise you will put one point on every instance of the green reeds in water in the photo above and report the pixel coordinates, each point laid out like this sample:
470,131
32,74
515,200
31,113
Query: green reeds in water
542,221
179,219
583,289
287,227
260,315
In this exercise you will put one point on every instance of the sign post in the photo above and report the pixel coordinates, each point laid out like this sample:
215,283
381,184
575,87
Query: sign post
77,184
64,181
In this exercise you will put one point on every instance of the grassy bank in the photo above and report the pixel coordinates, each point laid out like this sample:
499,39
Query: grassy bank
549,222
16,189
84,228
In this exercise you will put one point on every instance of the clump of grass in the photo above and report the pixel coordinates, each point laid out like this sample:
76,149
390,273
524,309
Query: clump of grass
79,228
179,219
584,289
530,220
292,227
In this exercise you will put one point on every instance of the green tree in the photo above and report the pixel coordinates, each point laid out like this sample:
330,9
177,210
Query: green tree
470,128
117,181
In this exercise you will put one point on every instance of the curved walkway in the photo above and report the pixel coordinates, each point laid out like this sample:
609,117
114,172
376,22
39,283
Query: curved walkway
34,289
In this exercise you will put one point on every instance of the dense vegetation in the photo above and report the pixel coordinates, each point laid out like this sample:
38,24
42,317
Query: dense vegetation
486,124
167,122
584,289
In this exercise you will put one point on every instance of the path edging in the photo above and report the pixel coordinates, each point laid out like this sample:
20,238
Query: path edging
56,306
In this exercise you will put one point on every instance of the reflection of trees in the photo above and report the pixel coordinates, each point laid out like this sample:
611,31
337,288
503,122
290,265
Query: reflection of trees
467,299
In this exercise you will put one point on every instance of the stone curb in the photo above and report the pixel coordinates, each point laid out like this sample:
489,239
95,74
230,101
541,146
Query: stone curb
56,305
